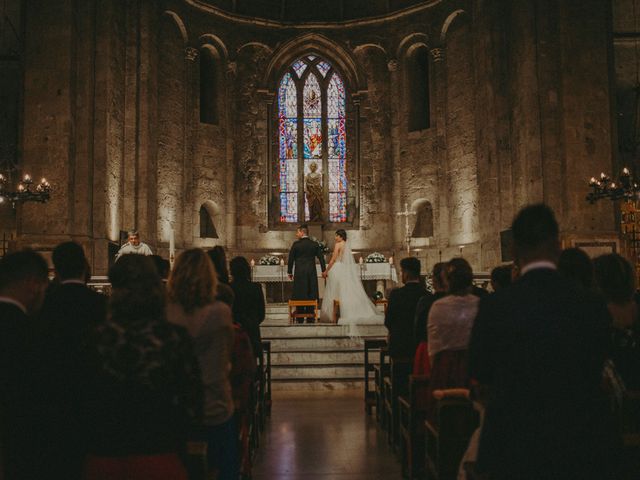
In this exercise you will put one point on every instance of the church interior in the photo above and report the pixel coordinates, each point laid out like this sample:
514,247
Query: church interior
419,127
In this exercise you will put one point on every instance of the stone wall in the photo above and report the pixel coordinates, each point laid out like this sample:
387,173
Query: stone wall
520,112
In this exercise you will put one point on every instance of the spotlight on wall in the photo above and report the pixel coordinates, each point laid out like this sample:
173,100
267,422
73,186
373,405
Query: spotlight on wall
24,192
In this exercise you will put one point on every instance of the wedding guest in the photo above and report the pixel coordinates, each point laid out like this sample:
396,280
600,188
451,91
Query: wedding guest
70,311
615,279
501,277
249,312
192,290
23,282
145,392
539,347
402,310
425,302
575,264
219,259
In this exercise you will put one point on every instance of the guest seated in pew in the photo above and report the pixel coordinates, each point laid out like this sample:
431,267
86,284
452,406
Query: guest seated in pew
449,329
219,259
539,346
501,277
615,279
250,310
438,283
144,393
70,312
23,282
402,310
192,290
575,264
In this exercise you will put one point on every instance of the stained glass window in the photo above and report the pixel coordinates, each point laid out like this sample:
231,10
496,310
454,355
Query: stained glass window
319,136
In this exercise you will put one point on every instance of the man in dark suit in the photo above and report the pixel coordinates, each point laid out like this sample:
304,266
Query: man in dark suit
302,256
23,282
539,346
70,310
402,310
424,304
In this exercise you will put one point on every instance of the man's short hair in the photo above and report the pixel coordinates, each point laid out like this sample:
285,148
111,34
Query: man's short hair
133,233
69,261
22,265
534,227
411,266
501,276
304,228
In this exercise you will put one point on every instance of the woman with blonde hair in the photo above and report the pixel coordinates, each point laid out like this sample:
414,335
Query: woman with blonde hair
192,290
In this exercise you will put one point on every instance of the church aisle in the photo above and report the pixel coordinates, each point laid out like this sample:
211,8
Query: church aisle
323,435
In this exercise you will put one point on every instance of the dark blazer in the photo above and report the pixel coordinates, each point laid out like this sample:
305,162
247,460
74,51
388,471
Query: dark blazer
303,255
539,345
400,317
249,311
69,313
16,422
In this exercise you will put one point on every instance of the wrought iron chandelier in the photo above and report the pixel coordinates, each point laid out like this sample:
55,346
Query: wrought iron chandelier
625,189
23,192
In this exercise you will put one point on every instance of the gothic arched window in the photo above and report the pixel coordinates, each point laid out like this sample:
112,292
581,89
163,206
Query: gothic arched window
312,129
208,87
418,91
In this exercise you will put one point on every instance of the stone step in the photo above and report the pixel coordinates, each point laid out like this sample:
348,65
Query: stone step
320,357
283,344
321,371
315,385
319,330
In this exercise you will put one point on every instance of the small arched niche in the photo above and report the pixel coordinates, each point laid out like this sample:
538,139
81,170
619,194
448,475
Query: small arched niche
424,219
208,213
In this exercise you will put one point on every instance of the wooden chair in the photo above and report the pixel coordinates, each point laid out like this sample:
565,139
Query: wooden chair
370,344
412,414
294,314
265,396
196,461
448,435
336,311
396,384
384,302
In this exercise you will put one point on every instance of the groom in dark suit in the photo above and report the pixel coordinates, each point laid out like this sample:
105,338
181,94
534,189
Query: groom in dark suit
302,256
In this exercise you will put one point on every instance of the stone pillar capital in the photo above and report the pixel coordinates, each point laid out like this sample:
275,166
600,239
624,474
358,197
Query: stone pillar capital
191,53
392,65
232,69
438,54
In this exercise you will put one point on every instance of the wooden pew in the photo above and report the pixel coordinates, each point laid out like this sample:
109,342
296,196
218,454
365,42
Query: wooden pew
448,435
370,344
412,414
396,384
380,371
265,396
294,314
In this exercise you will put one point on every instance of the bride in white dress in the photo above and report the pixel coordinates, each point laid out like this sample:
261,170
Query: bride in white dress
344,284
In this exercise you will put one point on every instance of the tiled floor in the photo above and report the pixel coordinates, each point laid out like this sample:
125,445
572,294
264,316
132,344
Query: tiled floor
323,435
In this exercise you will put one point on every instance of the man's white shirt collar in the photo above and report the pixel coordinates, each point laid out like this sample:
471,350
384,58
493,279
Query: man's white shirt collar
12,301
538,265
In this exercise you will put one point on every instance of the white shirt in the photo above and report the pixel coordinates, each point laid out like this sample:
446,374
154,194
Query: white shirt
450,321
538,265
127,248
13,301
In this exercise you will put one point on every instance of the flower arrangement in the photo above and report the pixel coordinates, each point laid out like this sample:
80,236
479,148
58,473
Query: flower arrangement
375,257
324,248
269,260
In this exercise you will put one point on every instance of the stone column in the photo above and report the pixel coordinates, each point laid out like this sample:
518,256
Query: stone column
395,86
230,177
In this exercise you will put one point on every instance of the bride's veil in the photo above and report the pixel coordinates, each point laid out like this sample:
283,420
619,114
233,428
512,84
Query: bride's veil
347,255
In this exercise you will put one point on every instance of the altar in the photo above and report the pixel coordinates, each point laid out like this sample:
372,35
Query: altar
384,274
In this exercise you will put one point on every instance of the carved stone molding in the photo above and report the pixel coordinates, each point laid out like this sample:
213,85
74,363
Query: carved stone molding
232,69
437,54
393,65
191,53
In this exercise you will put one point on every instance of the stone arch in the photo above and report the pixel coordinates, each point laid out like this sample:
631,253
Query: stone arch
215,45
210,215
366,46
332,51
423,227
410,42
179,25
261,45
449,21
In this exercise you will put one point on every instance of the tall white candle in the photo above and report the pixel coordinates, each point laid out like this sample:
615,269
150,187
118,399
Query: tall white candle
172,245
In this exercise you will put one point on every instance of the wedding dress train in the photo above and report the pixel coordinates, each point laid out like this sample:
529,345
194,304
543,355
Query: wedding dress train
344,285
